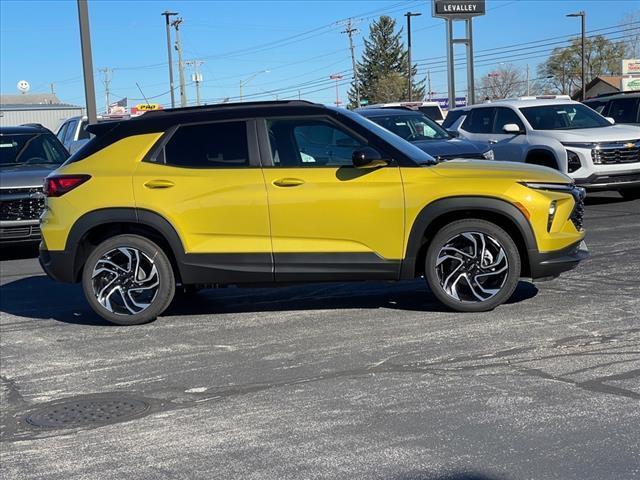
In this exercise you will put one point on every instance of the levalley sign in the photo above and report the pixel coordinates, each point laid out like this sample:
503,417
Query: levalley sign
458,8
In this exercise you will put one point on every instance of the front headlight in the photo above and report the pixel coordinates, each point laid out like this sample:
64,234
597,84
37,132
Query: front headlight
573,161
488,155
556,187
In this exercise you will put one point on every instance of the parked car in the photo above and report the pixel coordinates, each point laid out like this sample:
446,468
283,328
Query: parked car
73,131
430,109
426,134
557,132
622,107
240,193
27,155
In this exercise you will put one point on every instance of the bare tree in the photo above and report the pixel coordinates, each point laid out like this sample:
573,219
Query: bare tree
630,21
504,82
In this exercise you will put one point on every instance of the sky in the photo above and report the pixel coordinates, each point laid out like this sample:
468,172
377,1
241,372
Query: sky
279,49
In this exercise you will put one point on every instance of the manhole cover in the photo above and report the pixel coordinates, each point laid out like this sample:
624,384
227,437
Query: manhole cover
87,412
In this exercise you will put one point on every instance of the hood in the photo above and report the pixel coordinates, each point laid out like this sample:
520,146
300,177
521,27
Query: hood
24,175
450,147
596,135
483,169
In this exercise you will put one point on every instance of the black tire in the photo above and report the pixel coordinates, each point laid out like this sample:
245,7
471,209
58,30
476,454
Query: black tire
501,279
109,259
630,193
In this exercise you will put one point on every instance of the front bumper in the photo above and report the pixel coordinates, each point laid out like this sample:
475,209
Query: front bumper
19,231
551,264
612,181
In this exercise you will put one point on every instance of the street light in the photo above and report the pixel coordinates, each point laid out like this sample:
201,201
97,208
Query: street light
409,74
244,82
337,77
583,16
168,14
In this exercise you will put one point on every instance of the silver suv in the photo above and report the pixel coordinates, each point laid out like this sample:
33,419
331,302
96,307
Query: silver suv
27,154
73,134
557,132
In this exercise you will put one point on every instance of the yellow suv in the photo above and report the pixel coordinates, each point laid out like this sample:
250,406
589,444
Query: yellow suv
273,192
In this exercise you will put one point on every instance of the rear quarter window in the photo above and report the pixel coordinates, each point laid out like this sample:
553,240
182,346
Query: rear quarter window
451,118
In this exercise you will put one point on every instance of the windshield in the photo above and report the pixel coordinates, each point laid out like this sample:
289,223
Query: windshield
411,151
31,149
411,127
568,116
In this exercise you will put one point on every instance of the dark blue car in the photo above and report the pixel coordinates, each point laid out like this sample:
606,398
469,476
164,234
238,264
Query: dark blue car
426,134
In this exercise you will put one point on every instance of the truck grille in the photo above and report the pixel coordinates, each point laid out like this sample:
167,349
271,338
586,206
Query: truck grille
616,152
19,233
577,215
21,203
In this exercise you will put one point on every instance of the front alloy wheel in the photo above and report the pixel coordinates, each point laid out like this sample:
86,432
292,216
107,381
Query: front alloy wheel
472,265
128,280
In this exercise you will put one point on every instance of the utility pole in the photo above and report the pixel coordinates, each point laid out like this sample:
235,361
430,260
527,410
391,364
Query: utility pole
429,84
528,87
183,94
410,68
350,30
583,21
337,78
167,14
53,90
196,77
87,62
106,79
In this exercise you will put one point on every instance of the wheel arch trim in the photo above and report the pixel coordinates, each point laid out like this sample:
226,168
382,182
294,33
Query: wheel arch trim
125,215
438,209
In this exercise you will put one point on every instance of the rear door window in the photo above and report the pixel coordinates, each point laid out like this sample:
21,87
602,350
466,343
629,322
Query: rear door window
451,118
624,110
211,145
71,132
479,120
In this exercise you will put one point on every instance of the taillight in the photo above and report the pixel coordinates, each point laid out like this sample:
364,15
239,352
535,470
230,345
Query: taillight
58,185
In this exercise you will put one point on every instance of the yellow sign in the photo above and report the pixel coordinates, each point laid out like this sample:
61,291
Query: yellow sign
145,107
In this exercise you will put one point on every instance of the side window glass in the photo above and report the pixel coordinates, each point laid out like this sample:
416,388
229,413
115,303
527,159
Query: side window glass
62,132
624,110
310,143
451,118
505,116
83,134
71,131
479,120
212,145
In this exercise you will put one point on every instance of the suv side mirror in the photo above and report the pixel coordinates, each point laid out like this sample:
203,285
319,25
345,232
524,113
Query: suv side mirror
512,128
453,133
367,157
612,121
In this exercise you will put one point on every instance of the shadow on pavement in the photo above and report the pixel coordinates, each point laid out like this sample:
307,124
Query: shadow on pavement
39,297
18,252
605,198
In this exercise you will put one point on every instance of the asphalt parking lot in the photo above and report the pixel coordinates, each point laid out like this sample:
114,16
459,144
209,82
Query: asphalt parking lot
371,381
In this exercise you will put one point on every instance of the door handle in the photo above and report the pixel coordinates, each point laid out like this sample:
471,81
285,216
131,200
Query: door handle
493,141
288,182
157,184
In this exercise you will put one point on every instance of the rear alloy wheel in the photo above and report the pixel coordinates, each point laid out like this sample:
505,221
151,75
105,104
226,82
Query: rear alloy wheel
128,280
472,265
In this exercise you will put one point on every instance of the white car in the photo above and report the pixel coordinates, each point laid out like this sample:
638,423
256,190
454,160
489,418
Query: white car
556,132
72,132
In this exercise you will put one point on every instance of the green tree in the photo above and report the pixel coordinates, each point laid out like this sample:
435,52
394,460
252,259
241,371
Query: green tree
564,65
382,70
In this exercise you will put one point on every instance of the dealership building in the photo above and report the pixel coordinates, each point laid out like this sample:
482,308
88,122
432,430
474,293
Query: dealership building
43,108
